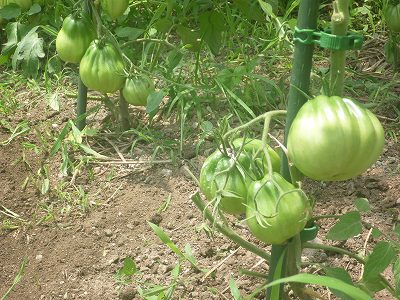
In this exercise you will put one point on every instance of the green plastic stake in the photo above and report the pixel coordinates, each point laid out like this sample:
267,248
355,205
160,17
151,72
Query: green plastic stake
81,104
340,22
299,89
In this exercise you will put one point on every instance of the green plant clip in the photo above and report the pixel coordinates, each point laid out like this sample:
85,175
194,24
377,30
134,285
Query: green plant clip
309,233
327,40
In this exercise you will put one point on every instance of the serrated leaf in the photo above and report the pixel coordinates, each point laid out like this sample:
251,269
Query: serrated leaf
343,275
10,11
131,33
129,268
35,8
362,205
53,101
349,225
153,102
212,24
380,258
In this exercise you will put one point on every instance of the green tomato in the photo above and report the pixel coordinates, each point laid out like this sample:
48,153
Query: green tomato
102,67
24,4
74,38
136,90
114,8
221,174
392,17
276,210
253,147
334,138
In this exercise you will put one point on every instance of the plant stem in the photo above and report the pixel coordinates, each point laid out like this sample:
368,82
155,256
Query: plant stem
227,231
124,112
340,22
81,105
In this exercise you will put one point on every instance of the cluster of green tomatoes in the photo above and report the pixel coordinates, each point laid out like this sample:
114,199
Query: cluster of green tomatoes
330,139
101,62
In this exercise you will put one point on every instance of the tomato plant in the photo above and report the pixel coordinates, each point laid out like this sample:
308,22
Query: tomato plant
137,89
276,210
74,38
392,17
102,67
24,4
114,8
334,138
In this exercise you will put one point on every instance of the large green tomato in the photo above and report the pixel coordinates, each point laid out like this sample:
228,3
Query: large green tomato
136,90
102,67
221,173
24,4
114,8
253,147
334,138
392,17
276,211
74,38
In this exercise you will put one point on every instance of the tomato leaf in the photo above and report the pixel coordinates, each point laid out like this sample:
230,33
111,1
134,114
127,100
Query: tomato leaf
396,275
35,8
349,225
153,102
129,32
380,258
362,205
10,11
343,275
212,24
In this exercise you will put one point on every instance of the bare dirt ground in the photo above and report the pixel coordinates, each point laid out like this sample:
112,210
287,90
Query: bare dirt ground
74,253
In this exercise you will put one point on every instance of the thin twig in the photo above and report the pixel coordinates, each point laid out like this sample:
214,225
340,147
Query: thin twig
116,149
131,162
219,264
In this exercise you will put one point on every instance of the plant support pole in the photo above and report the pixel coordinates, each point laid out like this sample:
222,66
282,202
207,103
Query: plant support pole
124,112
299,89
340,22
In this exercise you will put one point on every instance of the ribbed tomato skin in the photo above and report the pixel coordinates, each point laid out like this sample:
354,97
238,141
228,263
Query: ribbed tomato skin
102,67
334,138
136,90
74,38
114,8
276,210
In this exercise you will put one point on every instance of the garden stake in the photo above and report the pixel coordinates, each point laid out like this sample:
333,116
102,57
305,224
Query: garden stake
299,87
124,112
340,21
81,104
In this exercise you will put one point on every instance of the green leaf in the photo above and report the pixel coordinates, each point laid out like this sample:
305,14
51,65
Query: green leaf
396,275
153,102
60,138
163,25
329,282
173,59
14,30
380,258
343,275
129,268
349,225
29,50
35,8
10,11
212,24
362,205
251,10
166,240
190,38
45,186
90,151
234,289
129,32
53,101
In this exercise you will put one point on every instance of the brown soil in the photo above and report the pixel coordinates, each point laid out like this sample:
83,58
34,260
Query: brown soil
75,254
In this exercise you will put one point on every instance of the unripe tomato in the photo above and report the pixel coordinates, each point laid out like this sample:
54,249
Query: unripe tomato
253,147
392,17
136,90
227,175
24,4
74,38
276,210
334,138
102,67
114,8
